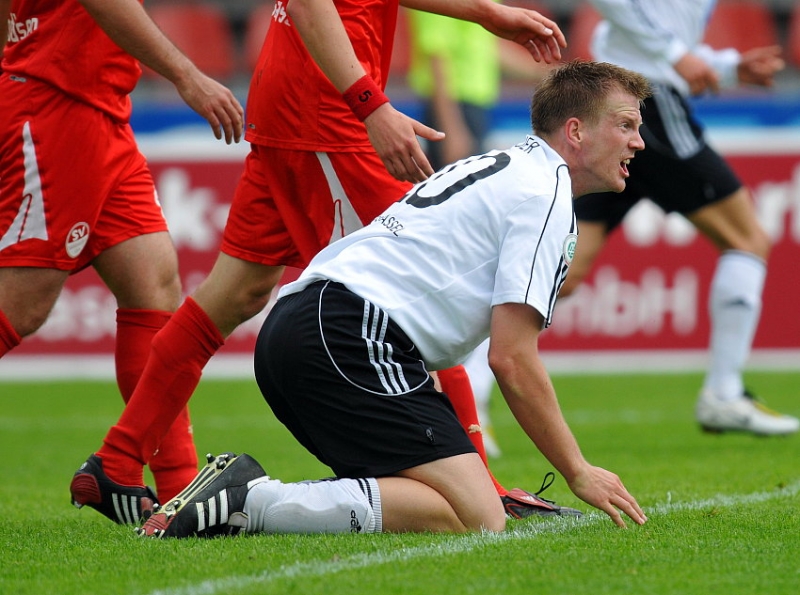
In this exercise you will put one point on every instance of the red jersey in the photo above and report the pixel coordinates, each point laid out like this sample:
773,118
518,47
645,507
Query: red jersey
56,41
292,104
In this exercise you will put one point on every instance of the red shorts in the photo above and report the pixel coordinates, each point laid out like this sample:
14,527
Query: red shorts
289,204
72,181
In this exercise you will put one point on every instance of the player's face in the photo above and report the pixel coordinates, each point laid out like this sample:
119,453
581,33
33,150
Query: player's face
611,143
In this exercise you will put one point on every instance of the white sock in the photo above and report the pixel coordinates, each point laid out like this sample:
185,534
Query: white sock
734,307
325,506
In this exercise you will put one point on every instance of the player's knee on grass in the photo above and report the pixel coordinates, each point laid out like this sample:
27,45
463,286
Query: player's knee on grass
453,494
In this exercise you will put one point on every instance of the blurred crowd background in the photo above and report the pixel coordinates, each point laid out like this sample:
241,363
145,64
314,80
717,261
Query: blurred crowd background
656,263
224,37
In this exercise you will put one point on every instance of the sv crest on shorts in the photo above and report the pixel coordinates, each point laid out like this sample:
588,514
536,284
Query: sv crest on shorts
77,238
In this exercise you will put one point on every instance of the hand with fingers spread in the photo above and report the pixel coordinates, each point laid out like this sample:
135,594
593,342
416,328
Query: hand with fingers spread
604,490
539,35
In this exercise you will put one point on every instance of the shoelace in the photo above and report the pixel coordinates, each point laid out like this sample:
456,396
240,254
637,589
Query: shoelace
548,480
759,403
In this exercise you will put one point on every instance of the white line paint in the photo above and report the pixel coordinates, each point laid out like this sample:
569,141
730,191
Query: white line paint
37,368
456,544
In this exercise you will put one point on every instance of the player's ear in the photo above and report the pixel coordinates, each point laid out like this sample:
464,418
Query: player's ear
573,130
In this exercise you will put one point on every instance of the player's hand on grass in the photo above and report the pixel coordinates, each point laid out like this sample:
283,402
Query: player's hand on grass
216,103
394,137
604,490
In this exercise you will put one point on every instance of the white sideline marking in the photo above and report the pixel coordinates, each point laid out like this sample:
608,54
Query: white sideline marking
455,544
37,368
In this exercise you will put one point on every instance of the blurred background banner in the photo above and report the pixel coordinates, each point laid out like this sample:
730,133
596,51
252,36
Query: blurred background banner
644,304
649,289
643,307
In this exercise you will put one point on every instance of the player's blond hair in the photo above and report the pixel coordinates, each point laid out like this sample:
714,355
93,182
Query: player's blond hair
579,89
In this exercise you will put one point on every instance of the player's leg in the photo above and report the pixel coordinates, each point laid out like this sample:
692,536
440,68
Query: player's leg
735,306
465,487
233,494
237,288
9,337
483,382
138,262
453,494
358,412
682,173
142,272
391,417
178,354
735,292
235,291
388,504
27,296
732,224
693,179
455,383
36,248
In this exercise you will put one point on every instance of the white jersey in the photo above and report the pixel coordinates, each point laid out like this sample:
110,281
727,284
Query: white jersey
649,36
491,229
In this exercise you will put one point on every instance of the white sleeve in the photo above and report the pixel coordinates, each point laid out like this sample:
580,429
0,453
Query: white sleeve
724,62
533,257
641,29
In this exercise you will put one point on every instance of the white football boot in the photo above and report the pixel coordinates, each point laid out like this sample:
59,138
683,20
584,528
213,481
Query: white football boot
746,414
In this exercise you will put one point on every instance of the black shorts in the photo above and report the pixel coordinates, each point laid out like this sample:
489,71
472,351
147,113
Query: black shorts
350,385
677,170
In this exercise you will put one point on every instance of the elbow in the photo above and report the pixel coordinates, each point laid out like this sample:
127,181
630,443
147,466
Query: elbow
502,363
298,11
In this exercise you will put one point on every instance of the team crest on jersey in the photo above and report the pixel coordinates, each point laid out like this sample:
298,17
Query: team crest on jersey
77,238
570,243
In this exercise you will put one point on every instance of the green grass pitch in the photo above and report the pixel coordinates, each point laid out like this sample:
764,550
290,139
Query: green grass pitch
724,509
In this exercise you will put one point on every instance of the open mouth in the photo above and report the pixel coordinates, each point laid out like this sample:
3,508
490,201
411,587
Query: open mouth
623,165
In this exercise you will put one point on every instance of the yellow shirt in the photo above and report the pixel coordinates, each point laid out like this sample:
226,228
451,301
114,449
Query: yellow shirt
470,54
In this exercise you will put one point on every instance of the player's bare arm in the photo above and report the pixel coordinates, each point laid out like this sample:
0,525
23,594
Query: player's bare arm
392,134
526,387
129,26
539,35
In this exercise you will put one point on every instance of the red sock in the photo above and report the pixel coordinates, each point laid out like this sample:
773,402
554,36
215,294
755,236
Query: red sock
455,384
175,463
9,338
177,357
135,332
